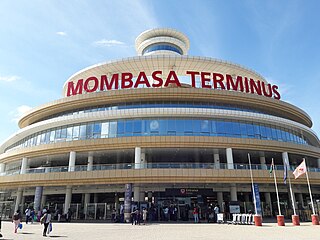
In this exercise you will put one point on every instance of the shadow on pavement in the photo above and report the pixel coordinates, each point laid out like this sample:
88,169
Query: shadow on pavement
55,236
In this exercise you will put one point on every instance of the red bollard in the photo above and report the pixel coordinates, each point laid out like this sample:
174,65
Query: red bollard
257,220
295,220
315,219
280,220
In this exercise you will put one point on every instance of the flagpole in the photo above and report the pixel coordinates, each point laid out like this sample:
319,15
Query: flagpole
291,193
309,188
276,185
253,192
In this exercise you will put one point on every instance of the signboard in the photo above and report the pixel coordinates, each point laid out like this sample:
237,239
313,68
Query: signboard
234,208
257,200
127,198
156,79
37,198
184,192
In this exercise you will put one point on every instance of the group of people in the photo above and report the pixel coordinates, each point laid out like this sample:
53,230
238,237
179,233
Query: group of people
212,213
137,216
45,219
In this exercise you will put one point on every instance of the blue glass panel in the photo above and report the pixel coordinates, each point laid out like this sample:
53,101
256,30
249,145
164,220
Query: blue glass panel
120,128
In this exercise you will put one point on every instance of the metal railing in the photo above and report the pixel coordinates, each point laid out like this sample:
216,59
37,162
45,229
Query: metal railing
102,167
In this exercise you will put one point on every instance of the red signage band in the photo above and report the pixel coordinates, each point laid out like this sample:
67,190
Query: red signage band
210,80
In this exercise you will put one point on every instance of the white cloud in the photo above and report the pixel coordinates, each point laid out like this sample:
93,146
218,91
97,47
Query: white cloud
9,78
108,43
19,112
61,33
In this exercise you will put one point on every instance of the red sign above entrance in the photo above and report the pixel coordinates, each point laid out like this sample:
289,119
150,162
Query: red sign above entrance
211,80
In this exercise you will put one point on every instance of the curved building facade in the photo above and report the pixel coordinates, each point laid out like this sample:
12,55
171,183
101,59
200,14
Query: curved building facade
160,129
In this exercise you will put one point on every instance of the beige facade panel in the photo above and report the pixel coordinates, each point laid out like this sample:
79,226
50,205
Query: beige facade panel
159,142
147,176
280,108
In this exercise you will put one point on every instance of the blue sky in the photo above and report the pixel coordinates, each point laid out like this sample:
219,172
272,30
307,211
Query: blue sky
42,43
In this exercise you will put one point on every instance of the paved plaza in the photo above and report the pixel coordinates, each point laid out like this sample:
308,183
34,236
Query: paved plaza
164,231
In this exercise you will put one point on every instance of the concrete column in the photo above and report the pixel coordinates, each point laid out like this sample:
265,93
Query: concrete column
137,158
220,200
86,202
267,196
72,161
2,168
37,198
300,198
233,192
216,159
23,200
43,201
136,193
263,161
229,158
24,165
68,199
90,162
319,163
18,199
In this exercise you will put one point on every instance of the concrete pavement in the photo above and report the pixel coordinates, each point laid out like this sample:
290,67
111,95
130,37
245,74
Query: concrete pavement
163,231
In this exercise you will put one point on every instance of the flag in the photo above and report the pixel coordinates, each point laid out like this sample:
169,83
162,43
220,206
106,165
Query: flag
271,168
300,170
285,173
285,169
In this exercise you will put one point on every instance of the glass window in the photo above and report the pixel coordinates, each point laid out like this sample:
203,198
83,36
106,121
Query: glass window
105,130
263,132
83,131
58,133
188,127
120,129
236,128
250,130
274,134
196,126
113,129
128,128
47,137
243,130
180,127
76,132
137,126
64,133
69,133
213,128
205,126
269,133
89,131
220,127
97,130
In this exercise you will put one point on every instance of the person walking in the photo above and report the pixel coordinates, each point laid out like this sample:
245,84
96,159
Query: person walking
133,217
69,215
216,212
196,214
28,214
45,220
16,219
144,216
